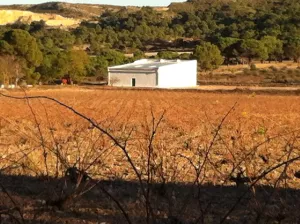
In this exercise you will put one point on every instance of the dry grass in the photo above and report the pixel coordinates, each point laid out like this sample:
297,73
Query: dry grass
259,65
284,73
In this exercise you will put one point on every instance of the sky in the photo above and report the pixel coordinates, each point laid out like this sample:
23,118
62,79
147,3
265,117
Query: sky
111,2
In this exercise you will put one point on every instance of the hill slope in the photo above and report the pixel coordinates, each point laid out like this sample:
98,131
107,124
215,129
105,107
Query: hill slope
79,11
54,20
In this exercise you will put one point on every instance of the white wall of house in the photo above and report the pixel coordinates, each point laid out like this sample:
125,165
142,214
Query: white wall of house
125,79
155,73
179,75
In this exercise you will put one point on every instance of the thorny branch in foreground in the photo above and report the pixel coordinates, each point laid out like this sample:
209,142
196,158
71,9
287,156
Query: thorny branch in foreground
102,130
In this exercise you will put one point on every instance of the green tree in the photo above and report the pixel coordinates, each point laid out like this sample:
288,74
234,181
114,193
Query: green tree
62,38
185,56
224,42
54,66
99,67
293,49
37,26
26,49
229,47
25,46
167,55
208,56
113,57
138,54
77,64
274,47
6,48
254,49
178,30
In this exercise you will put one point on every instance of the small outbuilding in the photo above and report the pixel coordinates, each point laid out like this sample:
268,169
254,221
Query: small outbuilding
155,73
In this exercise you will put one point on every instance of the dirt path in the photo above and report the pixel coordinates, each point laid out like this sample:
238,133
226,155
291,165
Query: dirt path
274,90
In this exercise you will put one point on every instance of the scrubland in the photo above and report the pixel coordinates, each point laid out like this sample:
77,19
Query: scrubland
268,74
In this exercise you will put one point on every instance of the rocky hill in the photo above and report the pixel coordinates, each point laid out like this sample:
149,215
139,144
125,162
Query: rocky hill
53,20
78,11
59,14
82,11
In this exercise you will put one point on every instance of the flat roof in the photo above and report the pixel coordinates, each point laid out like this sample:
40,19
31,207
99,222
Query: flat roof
146,65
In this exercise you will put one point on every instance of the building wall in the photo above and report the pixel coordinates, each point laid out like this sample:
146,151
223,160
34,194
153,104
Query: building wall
178,75
125,79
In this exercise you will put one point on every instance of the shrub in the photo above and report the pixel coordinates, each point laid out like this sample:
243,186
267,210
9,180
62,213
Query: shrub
270,75
284,68
253,67
273,68
246,70
264,71
208,56
297,72
232,75
255,73
290,71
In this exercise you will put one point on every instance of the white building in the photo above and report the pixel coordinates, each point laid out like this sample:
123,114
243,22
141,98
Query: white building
155,73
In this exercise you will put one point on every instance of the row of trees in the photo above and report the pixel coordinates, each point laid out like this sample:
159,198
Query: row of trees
233,50
245,50
24,55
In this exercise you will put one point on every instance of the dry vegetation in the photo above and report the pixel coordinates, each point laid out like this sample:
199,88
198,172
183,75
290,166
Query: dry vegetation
71,10
27,17
164,156
273,73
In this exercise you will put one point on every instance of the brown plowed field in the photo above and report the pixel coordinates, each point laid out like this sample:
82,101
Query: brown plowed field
190,120
259,133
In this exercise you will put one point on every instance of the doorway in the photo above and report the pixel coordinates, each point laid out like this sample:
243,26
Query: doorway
133,82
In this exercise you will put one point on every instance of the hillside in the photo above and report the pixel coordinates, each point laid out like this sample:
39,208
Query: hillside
53,20
84,11
53,13
235,31
79,11
202,5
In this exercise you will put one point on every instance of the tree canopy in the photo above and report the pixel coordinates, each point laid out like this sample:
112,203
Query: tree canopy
208,56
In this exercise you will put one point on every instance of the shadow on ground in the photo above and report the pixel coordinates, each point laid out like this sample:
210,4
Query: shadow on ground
174,203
